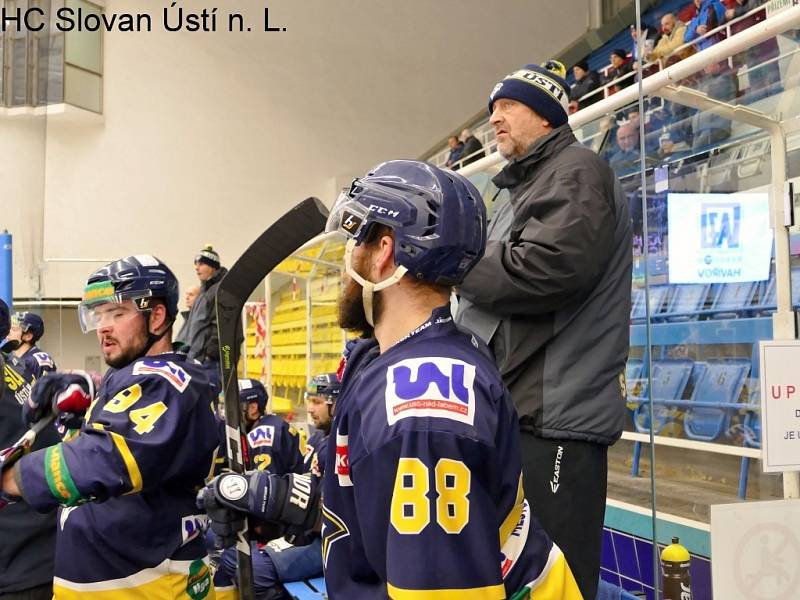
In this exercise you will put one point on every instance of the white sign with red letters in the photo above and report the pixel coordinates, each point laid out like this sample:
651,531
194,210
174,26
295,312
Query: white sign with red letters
780,405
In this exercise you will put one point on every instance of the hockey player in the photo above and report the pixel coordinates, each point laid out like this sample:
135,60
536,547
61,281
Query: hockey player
28,538
26,329
129,527
423,492
274,444
279,561
320,399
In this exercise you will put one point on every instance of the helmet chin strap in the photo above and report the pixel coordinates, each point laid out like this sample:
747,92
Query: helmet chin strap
368,288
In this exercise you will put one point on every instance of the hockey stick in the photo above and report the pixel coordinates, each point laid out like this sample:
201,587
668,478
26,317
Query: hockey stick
14,452
272,247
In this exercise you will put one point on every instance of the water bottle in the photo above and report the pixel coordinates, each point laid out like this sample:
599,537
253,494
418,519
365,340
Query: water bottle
675,567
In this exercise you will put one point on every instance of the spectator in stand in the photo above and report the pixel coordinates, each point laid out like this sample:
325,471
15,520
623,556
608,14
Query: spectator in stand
620,66
586,81
673,32
666,135
201,335
189,296
763,80
627,156
648,41
473,149
710,14
456,150
709,128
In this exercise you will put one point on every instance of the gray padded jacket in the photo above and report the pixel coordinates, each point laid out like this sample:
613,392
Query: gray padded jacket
552,294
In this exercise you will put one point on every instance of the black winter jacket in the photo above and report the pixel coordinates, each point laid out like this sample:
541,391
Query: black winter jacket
551,295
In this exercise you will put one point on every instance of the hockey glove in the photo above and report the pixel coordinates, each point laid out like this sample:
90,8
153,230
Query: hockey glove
67,395
291,500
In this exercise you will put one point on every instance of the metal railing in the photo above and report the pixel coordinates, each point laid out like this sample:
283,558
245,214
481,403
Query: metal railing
485,133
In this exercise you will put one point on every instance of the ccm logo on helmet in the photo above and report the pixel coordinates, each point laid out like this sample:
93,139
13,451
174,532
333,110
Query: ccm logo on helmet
384,211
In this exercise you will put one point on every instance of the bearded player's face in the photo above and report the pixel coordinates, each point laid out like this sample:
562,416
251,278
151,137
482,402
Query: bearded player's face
121,332
351,303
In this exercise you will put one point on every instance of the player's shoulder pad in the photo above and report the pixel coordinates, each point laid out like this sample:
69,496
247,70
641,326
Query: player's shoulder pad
431,386
43,359
263,434
358,351
158,371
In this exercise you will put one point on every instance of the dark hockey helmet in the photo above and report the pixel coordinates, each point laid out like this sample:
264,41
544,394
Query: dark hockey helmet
29,322
326,385
252,390
138,278
438,217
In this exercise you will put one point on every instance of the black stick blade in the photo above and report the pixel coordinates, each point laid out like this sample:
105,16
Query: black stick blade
276,244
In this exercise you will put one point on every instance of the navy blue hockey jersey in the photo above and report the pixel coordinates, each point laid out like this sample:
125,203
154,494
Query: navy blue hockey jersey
314,457
128,482
27,538
274,446
423,495
38,362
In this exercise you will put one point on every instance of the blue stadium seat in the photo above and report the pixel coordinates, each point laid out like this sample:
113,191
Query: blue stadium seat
670,378
751,435
686,302
721,383
658,295
732,300
767,302
633,376
766,297
637,297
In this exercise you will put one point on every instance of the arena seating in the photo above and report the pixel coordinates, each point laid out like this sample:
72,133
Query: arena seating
670,378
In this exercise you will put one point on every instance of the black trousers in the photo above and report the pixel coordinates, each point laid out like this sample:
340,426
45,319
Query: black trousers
43,592
565,484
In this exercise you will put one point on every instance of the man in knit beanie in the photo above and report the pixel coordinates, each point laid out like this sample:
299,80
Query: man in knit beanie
200,329
551,297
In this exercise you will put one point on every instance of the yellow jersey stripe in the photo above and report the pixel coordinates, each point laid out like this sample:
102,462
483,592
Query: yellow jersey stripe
514,515
490,592
556,582
130,462
227,593
168,587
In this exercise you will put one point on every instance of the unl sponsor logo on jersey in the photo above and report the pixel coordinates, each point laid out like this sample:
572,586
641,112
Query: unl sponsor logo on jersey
192,526
168,370
430,387
43,359
263,435
342,461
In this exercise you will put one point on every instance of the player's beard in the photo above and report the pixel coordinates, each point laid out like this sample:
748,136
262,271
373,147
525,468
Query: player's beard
127,353
351,305
351,308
